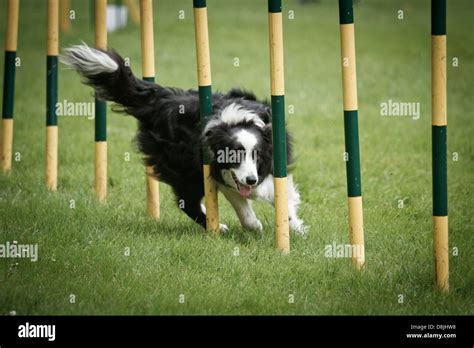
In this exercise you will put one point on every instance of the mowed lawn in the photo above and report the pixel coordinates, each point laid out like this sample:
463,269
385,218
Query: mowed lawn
173,267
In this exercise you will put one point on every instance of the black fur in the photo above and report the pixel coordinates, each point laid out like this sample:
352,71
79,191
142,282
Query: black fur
171,141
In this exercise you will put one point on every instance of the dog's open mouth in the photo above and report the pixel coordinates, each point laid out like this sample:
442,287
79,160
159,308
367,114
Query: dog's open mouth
244,190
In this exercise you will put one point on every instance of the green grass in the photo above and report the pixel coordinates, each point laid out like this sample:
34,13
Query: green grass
81,250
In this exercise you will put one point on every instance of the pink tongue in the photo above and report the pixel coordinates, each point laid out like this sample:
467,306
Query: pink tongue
245,191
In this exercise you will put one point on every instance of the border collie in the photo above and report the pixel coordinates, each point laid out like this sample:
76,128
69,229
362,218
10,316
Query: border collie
238,135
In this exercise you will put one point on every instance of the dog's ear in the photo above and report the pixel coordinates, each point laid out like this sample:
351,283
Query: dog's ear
209,130
207,134
265,113
267,133
215,134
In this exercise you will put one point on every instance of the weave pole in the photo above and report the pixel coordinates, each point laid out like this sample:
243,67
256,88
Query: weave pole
51,174
148,69
439,121
205,108
133,11
64,20
101,108
351,133
275,28
11,41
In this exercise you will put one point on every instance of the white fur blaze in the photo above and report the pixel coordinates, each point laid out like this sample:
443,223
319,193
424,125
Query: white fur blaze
233,114
88,61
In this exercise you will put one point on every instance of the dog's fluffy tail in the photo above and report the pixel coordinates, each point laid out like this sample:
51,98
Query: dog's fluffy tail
112,80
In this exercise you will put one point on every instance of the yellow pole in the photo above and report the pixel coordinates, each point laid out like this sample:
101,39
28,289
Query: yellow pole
205,102
7,144
275,23
100,108
439,125
64,20
101,24
13,11
52,90
11,40
148,70
133,11
351,131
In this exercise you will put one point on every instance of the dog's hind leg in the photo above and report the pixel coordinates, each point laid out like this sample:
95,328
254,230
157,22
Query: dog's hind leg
191,205
222,227
243,208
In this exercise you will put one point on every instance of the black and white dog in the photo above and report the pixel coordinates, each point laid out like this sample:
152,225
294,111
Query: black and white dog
239,136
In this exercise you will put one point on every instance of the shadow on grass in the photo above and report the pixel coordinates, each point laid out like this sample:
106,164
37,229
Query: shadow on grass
186,228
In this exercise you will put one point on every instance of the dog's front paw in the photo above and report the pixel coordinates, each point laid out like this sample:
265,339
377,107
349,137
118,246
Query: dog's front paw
223,228
299,227
255,225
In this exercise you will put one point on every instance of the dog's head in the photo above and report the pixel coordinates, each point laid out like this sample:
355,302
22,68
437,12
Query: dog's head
241,148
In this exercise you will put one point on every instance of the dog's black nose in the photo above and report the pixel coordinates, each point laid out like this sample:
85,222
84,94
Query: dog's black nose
251,180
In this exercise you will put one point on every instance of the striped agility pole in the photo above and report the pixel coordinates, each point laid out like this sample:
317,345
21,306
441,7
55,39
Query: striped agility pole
9,84
52,97
439,123
64,20
133,11
148,69
275,28
205,107
101,108
351,132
